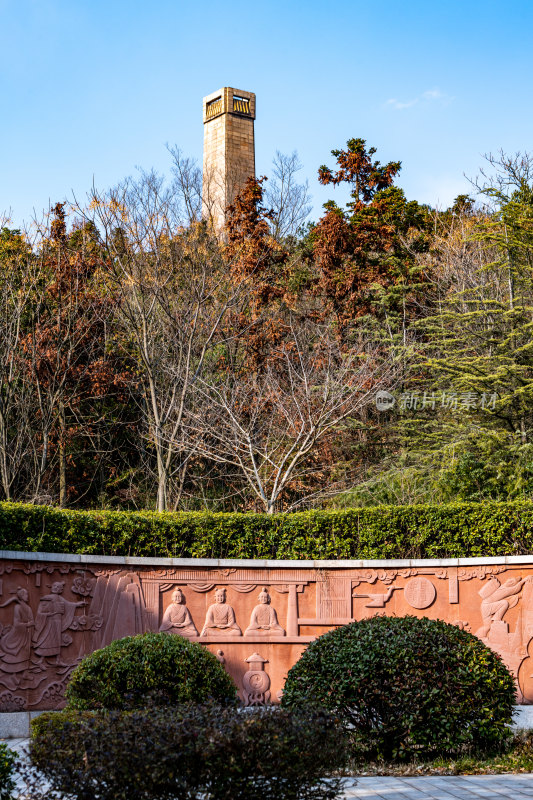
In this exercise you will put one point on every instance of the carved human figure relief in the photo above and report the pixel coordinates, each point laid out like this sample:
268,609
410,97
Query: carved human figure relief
54,617
117,608
525,627
177,618
497,599
220,618
264,620
15,639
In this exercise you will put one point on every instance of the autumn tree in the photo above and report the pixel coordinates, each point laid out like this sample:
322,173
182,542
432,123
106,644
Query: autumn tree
365,253
173,297
257,264
266,426
19,276
464,425
285,382
186,186
66,350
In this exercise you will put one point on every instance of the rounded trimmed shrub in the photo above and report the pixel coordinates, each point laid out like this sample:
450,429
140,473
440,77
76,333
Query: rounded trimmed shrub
157,668
407,686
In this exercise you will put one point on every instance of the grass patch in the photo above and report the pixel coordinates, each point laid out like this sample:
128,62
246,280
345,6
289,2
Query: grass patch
518,758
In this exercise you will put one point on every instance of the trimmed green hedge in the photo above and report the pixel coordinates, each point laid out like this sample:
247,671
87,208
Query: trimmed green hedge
189,751
455,530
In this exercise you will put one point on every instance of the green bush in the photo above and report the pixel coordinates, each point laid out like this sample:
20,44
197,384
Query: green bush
406,686
455,530
54,721
160,668
7,768
213,752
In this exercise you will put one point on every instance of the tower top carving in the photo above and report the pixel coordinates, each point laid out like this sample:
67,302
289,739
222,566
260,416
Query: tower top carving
228,100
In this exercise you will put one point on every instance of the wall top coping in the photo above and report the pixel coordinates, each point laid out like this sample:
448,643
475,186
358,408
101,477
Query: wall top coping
136,561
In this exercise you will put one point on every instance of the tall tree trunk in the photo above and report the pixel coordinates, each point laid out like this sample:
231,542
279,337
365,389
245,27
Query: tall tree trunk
162,491
4,469
62,459
162,474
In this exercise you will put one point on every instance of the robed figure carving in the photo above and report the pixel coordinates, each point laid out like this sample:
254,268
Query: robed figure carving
220,618
15,640
177,618
264,620
54,617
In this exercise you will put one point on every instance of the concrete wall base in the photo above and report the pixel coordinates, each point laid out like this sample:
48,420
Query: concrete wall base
16,725
523,717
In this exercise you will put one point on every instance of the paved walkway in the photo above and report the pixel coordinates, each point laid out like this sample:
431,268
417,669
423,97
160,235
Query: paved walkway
445,787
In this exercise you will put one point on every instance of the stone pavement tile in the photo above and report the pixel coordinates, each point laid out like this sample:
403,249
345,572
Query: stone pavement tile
433,791
508,786
448,788
515,778
490,787
475,787
368,788
507,783
388,788
400,789
484,786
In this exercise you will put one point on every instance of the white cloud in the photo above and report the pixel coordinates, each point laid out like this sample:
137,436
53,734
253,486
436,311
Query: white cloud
433,94
399,105
430,95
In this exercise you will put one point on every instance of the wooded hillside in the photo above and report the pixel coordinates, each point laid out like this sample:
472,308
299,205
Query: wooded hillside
146,364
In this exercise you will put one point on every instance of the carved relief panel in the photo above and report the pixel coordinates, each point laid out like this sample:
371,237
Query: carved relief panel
52,614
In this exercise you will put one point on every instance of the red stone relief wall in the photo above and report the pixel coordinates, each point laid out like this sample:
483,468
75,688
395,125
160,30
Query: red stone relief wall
257,621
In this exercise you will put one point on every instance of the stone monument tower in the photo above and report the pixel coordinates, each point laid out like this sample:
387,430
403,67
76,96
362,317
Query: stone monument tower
229,149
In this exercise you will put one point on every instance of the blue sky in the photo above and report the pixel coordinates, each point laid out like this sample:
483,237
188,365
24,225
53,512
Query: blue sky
92,89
